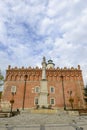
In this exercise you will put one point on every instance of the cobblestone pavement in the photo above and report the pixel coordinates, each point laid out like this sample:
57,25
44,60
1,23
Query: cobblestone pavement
27,121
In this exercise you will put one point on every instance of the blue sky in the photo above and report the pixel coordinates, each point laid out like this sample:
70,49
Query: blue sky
31,29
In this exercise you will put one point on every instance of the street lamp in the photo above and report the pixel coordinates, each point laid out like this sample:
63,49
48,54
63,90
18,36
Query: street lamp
63,92
25,78
12,102
13,92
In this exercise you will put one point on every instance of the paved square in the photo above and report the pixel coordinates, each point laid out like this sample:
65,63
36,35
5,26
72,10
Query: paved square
28,121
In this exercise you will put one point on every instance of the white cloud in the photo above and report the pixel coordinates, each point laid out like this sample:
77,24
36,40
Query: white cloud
31,29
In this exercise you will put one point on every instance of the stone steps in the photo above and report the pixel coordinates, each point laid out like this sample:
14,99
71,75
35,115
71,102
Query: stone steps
83,112
4,114
44,111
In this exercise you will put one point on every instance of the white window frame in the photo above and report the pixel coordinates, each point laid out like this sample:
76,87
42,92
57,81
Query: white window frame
13,89
54,101
53,89
36,89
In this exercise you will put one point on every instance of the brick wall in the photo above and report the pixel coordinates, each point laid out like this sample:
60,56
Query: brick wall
72,81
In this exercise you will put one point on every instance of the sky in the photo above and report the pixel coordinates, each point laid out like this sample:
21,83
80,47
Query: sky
31,29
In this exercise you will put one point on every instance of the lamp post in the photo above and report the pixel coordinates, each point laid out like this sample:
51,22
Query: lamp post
63,92
12,102
25,78
13,92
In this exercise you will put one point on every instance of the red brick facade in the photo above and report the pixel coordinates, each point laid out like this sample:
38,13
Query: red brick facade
69,85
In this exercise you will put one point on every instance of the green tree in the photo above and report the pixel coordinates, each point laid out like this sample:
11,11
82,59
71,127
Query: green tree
1,83
1,78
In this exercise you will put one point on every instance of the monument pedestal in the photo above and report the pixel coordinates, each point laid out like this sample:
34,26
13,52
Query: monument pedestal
43,94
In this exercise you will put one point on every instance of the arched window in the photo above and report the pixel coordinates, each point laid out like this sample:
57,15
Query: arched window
37,89
52,89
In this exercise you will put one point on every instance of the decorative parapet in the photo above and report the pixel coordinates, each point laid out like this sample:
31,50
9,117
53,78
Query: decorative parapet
65,68
15,73
19,73
23,68
30,68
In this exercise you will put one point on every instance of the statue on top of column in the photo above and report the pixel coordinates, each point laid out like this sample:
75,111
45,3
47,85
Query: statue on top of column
44,64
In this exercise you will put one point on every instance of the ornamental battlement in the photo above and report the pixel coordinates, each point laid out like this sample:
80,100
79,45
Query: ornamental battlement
22,68
37,68
35,73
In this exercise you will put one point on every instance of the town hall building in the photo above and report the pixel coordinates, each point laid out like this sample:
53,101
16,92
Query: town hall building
60,88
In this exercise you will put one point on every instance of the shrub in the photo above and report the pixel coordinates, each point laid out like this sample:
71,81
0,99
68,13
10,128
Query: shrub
50,107
37,106
43,107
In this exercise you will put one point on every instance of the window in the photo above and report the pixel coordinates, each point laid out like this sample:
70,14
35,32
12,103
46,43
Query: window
37,89
52,101
13,89
36,100
52,90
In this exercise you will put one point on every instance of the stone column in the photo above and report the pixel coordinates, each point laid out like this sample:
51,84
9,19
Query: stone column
44,69
43,86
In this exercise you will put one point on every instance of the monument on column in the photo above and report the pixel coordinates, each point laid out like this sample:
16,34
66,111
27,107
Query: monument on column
43,86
